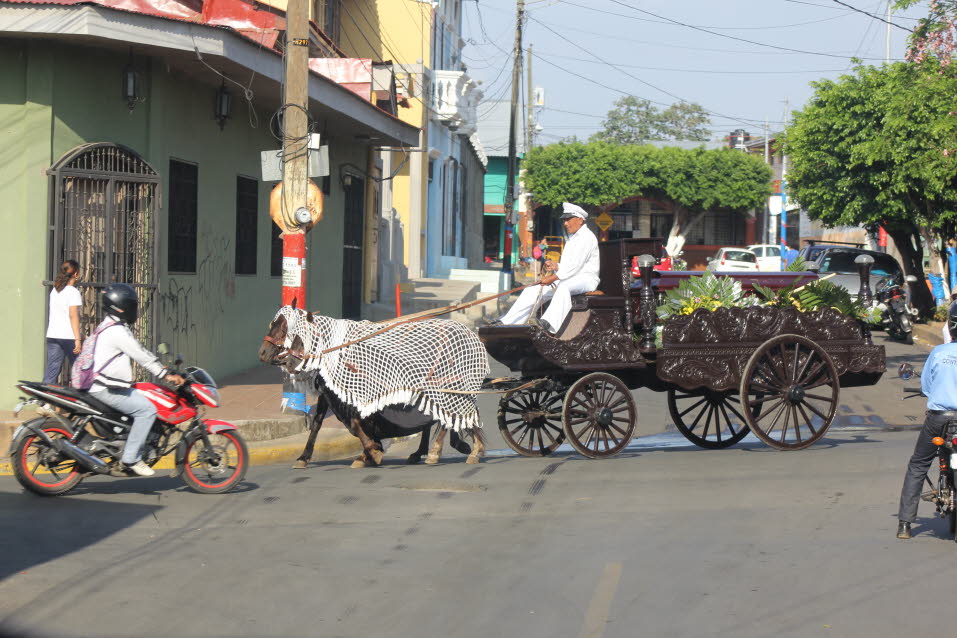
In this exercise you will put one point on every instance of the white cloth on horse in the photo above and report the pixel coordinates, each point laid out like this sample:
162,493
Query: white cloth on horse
413,364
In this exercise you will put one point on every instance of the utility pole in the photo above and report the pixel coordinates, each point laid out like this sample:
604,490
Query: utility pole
784,190
295,150
524,236
513,113
295,174
887,35
529,96
767,160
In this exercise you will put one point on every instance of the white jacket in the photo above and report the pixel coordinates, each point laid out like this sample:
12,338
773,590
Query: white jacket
580,256
118,373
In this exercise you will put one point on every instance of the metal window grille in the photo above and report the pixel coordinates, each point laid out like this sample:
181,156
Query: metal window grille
247,217
183,203
103,206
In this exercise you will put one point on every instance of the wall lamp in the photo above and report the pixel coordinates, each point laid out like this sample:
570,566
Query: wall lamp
132,88
223,106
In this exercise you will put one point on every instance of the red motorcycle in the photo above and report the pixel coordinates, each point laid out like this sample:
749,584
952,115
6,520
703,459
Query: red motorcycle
83,436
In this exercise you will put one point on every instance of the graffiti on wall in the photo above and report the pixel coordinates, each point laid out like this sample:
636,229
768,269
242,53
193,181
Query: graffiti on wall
192,307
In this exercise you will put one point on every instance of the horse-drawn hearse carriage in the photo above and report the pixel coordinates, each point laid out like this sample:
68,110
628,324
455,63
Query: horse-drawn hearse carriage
771,370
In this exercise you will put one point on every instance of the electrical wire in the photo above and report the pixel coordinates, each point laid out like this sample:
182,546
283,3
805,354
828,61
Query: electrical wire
871,15
708,71
728,36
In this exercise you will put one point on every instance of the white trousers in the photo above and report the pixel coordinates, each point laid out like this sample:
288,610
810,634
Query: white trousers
561,295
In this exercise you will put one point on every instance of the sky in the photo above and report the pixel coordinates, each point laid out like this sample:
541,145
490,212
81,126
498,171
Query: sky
739,59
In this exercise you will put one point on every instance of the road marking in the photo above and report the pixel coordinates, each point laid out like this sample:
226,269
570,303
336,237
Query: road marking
597,615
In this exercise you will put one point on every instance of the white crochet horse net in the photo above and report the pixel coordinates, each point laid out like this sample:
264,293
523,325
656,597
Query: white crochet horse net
414,364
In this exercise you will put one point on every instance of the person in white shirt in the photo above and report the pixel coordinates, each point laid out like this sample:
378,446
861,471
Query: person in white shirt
63,328
577,272
116,349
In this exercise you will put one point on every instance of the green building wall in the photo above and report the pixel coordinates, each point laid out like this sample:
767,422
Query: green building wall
54,98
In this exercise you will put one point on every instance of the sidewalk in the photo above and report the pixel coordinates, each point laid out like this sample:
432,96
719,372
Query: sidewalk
929,334
250,400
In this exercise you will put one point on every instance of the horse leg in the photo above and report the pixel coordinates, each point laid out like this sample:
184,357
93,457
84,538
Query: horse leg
459,444
303,460
435,452
479,448
369,452
416,456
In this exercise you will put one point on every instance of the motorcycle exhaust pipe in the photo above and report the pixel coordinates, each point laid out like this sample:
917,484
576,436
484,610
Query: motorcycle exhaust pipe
81,456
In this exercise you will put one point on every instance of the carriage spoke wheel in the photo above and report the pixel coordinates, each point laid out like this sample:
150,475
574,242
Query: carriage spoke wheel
599,415
708,418
530,421
794,382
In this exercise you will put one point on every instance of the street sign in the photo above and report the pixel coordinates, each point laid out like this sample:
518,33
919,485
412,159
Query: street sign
604,221
271,163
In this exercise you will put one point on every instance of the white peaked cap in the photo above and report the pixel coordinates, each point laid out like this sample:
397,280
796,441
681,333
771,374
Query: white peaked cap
572,210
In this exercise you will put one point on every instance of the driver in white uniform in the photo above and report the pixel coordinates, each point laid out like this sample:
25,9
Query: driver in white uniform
576,273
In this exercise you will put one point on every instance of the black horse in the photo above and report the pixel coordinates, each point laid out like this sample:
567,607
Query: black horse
390,422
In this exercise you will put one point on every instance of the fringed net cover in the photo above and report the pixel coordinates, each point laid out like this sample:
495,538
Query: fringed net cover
412,364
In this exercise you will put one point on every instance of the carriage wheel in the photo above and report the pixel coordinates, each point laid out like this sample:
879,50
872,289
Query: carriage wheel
795,383
707,418
599,415
530,421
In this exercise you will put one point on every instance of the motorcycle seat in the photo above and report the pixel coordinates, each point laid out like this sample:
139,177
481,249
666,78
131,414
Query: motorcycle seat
72,395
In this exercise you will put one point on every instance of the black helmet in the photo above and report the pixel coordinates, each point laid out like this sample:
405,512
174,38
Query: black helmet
121,301
952,320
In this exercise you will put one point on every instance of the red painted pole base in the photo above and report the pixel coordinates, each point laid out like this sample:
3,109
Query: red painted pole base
294,270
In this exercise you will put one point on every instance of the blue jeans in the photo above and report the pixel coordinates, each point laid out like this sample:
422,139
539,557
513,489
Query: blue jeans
57,350
132,403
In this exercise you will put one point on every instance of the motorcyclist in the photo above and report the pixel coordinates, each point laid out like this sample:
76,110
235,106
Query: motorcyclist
939,383
115,350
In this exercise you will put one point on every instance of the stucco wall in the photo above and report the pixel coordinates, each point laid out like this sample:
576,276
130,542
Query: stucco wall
54,98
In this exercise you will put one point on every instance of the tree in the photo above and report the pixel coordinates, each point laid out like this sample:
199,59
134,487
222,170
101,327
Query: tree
636,121
602,175
877,148
936,35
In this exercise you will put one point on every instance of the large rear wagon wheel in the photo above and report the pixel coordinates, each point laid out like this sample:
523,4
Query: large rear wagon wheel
707,418
530,421
795,383
599,415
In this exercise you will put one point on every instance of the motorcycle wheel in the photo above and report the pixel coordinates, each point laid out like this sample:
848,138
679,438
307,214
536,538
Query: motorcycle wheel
41,469
219,468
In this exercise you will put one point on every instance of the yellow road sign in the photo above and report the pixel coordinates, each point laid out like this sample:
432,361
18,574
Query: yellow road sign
604,221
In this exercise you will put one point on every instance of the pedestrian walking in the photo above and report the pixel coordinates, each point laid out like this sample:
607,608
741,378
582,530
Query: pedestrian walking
63,329
537,259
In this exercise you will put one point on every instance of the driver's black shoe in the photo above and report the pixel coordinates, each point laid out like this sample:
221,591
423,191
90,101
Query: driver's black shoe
903,530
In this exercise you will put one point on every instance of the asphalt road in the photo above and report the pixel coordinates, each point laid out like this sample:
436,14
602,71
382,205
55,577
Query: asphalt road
663,540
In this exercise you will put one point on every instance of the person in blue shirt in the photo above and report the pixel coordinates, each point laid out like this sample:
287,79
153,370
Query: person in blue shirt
939,382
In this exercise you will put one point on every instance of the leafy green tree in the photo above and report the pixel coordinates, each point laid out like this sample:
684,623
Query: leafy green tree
636,121
601,175
877,148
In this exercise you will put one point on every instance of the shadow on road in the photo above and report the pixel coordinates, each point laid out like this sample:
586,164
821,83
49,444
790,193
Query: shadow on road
35,530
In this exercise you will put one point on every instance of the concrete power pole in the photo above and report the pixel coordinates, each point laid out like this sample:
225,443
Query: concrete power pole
524,235
513,112
295,150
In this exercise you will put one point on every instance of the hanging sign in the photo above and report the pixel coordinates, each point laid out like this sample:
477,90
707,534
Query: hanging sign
604,221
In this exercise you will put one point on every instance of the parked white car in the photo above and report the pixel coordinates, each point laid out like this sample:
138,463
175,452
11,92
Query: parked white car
731,258
769,257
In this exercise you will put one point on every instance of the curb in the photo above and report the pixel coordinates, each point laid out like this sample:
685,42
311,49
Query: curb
929,333
330,446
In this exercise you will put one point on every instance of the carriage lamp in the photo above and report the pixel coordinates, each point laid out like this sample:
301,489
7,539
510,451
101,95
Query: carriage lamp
649,314
937,440
864,264
223,106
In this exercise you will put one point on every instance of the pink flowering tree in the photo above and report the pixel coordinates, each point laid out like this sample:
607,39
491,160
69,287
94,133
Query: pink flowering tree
935,35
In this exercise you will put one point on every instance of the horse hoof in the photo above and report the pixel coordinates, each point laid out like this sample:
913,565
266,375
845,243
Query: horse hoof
414,459
432,459
358,464
472,459
299,465
376,456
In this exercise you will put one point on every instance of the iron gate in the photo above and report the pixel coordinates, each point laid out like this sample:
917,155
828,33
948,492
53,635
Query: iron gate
104,216
353,234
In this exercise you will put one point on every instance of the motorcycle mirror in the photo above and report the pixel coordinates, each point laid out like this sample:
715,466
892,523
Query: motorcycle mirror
163,348
910,279
905,371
